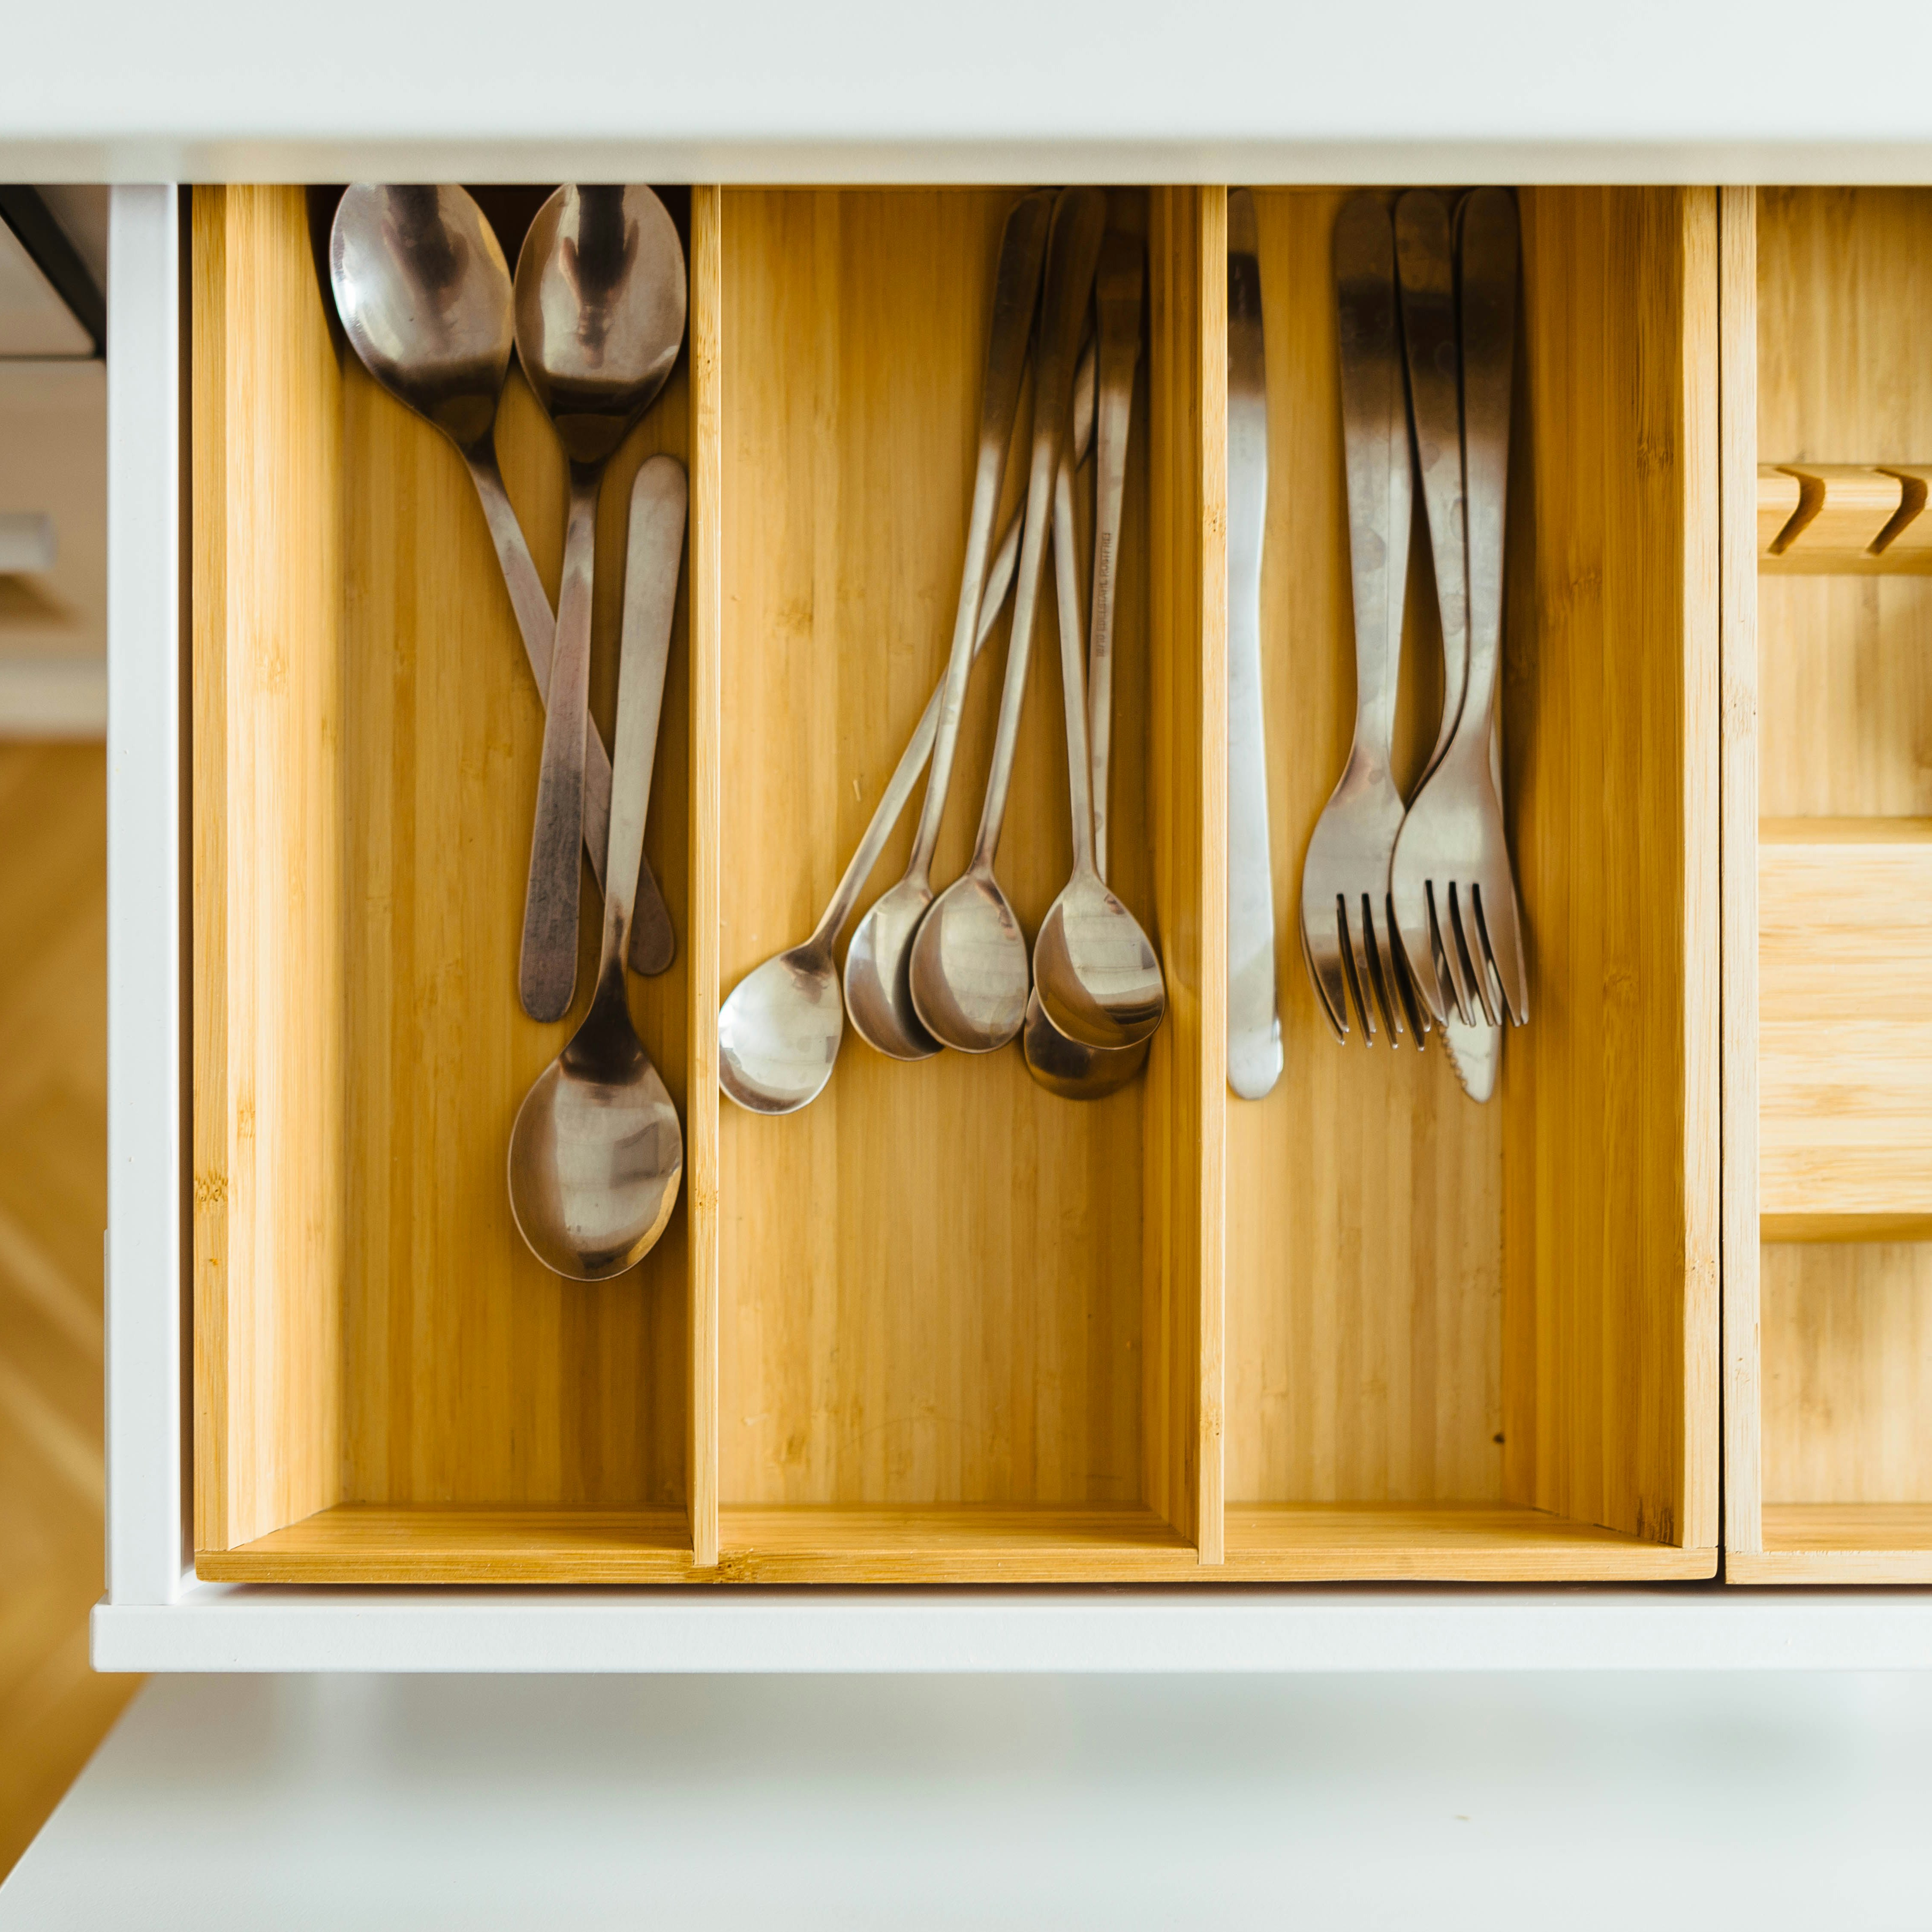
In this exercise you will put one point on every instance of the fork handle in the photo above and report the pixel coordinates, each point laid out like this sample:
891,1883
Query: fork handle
1375,435
1489,253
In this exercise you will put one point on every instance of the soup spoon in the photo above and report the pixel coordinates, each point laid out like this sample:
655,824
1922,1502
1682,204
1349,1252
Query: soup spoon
969,976
600,310
779,1032
424,295
1067,1067
596,1153
876,988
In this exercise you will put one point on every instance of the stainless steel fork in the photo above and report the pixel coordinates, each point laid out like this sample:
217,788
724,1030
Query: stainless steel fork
1452,885
1351,953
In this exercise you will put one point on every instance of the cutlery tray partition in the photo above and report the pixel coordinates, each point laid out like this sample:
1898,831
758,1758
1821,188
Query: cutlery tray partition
941,1327
1828,884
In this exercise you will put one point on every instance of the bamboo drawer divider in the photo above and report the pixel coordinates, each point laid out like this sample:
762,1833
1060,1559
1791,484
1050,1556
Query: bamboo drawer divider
940,1327
1828,841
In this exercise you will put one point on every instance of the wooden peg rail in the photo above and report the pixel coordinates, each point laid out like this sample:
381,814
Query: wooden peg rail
1830,517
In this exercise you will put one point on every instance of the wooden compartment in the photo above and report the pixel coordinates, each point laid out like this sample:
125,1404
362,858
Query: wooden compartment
387,1385
940,1327
1827,844
1478,1342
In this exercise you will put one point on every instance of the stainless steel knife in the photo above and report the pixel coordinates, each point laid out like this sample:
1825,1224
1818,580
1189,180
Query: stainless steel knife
1254,1015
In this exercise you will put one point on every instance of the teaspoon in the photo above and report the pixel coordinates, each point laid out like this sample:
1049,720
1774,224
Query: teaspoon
424,297
600,310
596,1153
779,1032
876,975
1070,1068
969,976
1097,977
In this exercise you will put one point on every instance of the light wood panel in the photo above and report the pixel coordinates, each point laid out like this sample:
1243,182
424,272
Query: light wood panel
53,1181
705,552
1845,1044
932,1279
1741,495
270,1163
1445,1542
366,739
1185,1119
1847,1373
1832,1377
1431,1303
1610,1098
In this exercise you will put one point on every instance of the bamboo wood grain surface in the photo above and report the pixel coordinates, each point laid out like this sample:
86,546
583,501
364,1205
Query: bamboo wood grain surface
1837,1372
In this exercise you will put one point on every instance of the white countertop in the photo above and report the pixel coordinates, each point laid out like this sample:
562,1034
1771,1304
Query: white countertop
1495,1802
1234,90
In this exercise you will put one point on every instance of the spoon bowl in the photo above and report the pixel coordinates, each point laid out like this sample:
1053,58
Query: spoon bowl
423,293
601,298
596,1157
1099,980
878,977
1074,1072
969,977
778,1033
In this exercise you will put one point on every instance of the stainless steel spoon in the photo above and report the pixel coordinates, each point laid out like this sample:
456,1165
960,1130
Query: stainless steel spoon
969,973
596,1153
779,1033
876,985
1069,1068
423,294
600,310
1096,975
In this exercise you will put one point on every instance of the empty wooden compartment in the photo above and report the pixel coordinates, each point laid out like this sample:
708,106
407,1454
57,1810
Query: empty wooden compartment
1828,837
1478,1341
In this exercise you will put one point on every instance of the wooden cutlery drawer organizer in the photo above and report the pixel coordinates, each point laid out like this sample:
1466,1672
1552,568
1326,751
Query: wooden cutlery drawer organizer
941,1326
1828,869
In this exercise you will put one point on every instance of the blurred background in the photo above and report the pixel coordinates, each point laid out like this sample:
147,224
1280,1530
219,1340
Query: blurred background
53,1011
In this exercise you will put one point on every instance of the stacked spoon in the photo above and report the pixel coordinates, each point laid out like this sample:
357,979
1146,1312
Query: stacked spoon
925,972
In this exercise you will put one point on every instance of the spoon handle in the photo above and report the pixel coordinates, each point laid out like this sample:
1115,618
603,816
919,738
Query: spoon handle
653,943
657,501
547,973
1016,292
1073,252
1073,669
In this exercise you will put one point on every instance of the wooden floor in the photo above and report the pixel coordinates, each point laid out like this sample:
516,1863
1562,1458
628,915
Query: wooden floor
53,1184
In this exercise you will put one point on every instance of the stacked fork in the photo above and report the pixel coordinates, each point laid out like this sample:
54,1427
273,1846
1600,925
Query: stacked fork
1409,917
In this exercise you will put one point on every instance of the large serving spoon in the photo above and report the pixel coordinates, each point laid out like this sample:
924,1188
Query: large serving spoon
1070,1068
969,973
596,1153
600,310
779,1033
1096,973
876,963
423,294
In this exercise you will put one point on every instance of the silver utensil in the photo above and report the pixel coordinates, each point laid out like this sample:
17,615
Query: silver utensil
596,1153
1094,971
1066,1067
600,314
1254,1012
876,963
423,294
779,1033
1344,879
970,975
1451,882
1425,269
